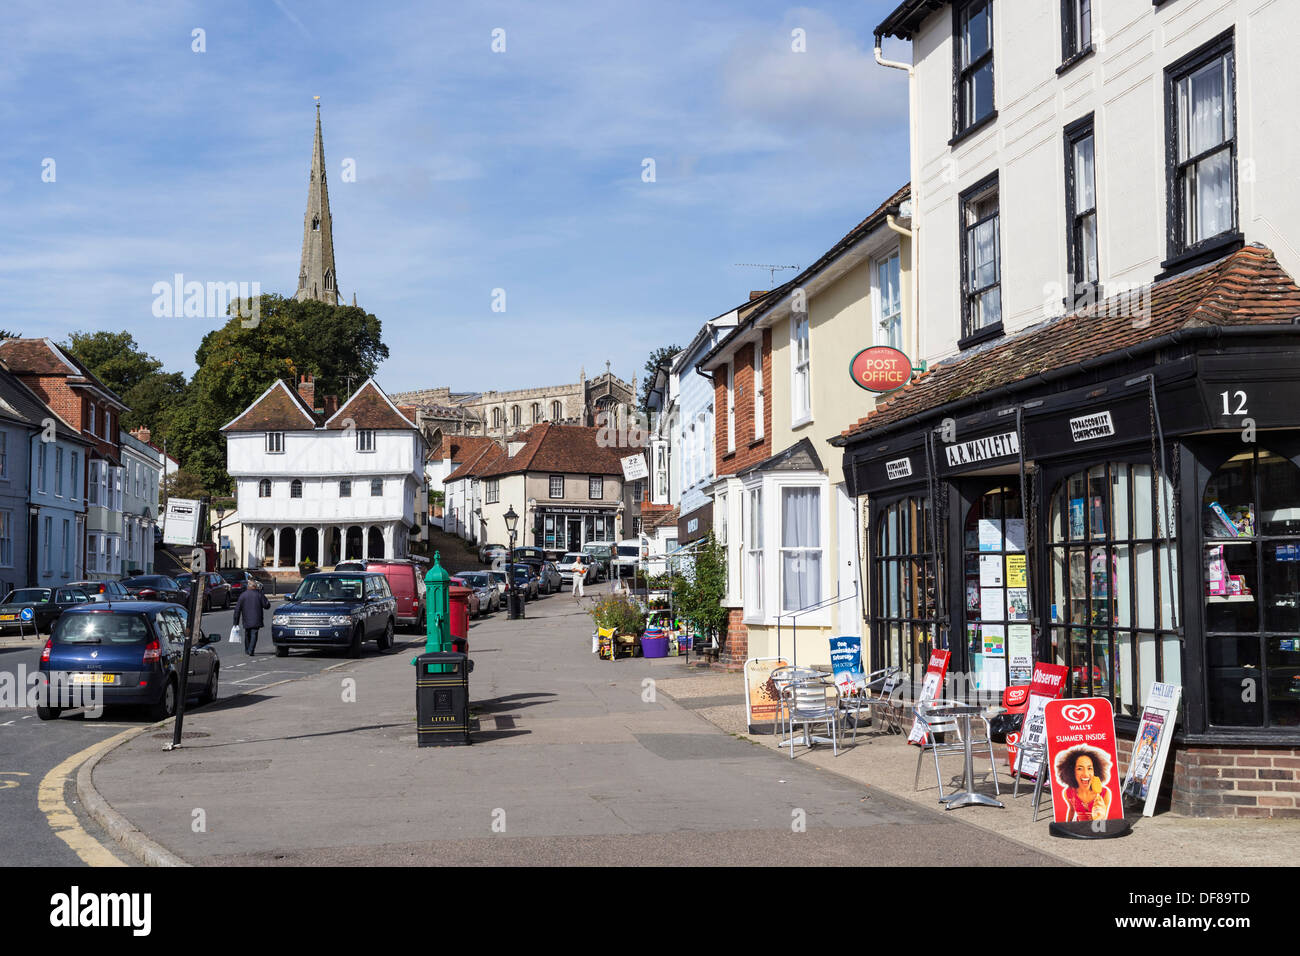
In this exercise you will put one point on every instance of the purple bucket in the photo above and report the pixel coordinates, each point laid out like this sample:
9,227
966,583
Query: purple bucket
654,643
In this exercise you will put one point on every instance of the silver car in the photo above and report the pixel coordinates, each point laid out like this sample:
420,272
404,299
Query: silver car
569,562
489,598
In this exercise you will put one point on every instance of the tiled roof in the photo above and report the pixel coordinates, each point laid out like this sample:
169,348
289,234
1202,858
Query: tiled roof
279,408
548,447
369,407
468,468
43,357
655,520
1245,288
461,447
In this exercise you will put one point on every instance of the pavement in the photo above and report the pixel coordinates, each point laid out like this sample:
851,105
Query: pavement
574,761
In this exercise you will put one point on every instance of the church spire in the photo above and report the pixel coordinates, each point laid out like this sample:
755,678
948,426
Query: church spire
317,279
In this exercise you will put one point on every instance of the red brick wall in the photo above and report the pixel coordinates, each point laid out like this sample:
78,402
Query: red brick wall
748,450
735,649
1237,782
73,407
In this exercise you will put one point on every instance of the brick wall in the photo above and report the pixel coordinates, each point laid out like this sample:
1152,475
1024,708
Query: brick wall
748,450
1236,782
735,649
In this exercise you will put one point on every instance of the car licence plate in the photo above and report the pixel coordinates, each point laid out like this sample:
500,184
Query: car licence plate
8,617
306,632
94,678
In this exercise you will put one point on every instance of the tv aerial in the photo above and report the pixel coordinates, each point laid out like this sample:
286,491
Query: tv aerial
772,270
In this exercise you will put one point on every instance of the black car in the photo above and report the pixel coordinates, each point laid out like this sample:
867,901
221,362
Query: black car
127,653
36,609
528,581
238,579
216,592
336,609
154,587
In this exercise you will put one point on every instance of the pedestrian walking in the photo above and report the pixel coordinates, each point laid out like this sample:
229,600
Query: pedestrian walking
579,573
248,612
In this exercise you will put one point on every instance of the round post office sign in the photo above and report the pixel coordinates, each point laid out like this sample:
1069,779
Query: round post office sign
881,369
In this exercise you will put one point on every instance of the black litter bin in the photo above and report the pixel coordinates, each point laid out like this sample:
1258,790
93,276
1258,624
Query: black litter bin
515,605
442,699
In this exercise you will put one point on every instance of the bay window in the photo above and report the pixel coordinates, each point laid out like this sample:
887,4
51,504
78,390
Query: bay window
754,582
801,548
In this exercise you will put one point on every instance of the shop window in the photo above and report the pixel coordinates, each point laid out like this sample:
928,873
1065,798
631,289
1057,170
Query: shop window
903,622
1250,522
998,636
1114,593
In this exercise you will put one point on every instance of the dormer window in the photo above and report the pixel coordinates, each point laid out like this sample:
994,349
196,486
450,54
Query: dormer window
274,443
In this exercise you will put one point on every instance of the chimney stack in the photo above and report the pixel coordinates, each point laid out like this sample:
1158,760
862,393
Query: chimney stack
141,434
307,390
757,295
331,405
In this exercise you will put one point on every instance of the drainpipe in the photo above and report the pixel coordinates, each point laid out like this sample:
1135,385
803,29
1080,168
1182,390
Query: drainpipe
914,171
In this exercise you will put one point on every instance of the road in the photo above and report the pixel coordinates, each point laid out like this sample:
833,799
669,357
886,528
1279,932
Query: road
31,748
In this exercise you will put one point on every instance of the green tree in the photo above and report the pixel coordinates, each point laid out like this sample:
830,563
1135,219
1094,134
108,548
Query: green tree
660,356
137,377
340,346
700,594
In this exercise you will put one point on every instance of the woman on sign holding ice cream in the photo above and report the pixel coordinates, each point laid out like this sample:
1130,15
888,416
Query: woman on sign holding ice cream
1083,773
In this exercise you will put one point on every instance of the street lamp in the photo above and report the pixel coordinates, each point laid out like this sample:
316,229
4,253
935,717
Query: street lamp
512,521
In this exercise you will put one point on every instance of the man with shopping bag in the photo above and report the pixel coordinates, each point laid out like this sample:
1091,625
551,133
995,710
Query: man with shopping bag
248,612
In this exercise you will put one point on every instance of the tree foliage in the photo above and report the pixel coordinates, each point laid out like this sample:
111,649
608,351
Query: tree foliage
115,358
699,597
660,356
340,346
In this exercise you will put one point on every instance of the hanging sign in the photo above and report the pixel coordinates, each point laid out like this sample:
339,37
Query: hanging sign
930,687
1151,747
880,369
1046,685
1082,760
635,468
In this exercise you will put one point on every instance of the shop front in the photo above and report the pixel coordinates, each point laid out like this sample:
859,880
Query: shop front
1134,516
561,528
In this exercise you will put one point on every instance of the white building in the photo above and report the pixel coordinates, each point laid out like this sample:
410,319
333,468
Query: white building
326,489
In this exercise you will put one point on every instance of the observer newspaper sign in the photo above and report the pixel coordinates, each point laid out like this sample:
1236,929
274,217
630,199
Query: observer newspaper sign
930,687
181,521
1151,746
1045,686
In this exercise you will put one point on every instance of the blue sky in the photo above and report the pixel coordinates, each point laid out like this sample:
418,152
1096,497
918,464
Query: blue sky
475,170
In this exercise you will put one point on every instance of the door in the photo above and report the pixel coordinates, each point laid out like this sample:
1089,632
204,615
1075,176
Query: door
575,534
850,608
996,598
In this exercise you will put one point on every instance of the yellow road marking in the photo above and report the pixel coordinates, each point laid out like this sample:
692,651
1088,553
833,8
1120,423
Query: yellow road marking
60,816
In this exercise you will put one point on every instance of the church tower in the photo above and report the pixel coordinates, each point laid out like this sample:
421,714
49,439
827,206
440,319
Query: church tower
317,279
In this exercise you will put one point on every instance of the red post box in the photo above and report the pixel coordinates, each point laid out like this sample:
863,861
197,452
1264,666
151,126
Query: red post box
458,618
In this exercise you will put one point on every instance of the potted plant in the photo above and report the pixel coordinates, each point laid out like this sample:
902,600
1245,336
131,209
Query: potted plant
306,566
621,614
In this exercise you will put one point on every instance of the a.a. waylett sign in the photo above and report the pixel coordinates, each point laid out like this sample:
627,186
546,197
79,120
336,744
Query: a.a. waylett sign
880,369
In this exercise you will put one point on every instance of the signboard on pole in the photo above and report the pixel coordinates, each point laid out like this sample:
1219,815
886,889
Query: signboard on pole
634,467
181,521
1151,747
762,702
1082,760
1046,685
935,672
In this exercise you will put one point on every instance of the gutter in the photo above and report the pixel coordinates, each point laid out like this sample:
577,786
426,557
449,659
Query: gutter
1181,336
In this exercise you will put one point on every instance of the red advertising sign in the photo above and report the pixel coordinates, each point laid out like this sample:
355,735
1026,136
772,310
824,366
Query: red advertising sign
1082,760
935,672
1047,684
880,369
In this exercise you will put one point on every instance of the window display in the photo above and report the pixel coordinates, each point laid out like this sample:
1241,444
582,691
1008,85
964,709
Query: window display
905,610
995,548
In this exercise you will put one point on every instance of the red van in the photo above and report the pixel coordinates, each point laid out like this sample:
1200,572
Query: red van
406,581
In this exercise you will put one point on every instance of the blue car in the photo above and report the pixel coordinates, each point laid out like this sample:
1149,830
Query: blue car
129,653
339,610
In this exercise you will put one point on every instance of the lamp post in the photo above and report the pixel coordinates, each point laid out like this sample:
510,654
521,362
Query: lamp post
512,521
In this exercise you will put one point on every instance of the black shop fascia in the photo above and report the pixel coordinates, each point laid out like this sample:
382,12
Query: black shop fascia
1134,516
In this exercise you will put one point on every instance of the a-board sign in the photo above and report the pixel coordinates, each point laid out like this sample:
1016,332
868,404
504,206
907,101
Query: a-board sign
1151,746
762,701
1082,760
935,671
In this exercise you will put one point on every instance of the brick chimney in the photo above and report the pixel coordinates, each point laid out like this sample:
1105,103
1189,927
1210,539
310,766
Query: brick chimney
331,405
757,295
307,390
141,434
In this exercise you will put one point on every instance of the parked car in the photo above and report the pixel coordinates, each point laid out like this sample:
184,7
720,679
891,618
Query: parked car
602,554
406,581
36,609
627,556
569,562
102,591
489,597
488,553
501,581
350,566
154,587
526,581
131,653
239,581
551,581
340,610
475,604
216,592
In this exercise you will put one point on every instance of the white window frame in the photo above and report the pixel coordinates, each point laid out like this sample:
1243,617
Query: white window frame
885,324
6,539
76,477
380,492
365,440
595,487
58,472
754,559
47,545
4,455
551,489
731,406
772,486
801,412
275,443
92,552
67,547
93,496
491,491
758,391
91,429
42,468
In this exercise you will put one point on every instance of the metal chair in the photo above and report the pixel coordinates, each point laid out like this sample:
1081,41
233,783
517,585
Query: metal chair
932,726
781,678
888,706
811,702
1039,778
873,685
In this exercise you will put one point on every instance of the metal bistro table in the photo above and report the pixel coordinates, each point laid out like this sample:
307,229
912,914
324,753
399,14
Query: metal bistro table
968,797
793,676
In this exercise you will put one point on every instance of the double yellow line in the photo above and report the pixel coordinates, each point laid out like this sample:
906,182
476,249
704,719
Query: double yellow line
49,798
